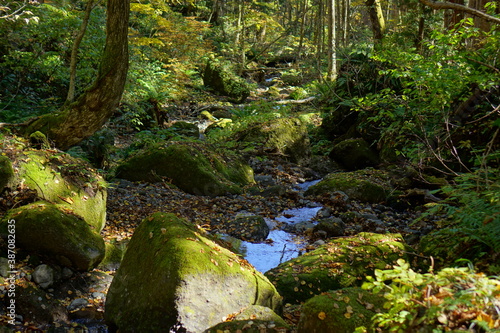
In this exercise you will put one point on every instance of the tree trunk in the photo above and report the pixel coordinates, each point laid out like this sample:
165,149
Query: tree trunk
377,19
96,105
332,54
453,17
74,52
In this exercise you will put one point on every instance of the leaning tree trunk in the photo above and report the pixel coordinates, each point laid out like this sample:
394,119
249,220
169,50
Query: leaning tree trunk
96,105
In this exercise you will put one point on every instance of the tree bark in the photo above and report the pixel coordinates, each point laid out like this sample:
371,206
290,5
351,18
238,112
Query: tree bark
377,19
463,8
97,104
332,47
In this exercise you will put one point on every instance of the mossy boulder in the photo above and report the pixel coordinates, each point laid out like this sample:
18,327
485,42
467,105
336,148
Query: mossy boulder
56,233
253,319
113,256
66,181
366,185
285,136
184,128
219,77
219,124
174,278
340,311
340,263
354,154
194,168
6,172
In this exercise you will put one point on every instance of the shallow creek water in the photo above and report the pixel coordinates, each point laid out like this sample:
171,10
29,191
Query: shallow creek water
280,246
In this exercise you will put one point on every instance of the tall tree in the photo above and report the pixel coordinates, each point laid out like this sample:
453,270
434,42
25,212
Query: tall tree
377,19
74,52
80,119
332,47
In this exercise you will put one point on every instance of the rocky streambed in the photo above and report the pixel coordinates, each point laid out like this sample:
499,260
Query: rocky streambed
309,232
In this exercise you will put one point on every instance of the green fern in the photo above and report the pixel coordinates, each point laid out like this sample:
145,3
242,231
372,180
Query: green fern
473,208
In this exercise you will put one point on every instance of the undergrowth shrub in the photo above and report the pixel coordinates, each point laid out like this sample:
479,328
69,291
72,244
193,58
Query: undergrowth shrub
472,207
452,299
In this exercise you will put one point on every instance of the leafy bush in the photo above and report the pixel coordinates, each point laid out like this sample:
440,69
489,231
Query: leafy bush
472,208
451,299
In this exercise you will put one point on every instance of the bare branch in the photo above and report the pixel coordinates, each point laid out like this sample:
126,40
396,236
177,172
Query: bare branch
455,6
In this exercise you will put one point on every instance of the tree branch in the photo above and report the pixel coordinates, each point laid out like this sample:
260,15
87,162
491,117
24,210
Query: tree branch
455,6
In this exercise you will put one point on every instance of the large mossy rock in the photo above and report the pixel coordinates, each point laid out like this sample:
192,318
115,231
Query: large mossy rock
66,181
340,263
340,311
174,279
286,136
6,172
354,154
194,168
219,77
366,185
61,236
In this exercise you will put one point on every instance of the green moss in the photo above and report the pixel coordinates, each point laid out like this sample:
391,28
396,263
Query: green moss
363,185
219,77
85,195
286,136
113,257
45,229
6,172
341,263
186,129
164,275
191,167
339,311
39,139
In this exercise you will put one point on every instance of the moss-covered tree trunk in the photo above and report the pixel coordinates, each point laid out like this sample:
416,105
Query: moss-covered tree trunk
95,106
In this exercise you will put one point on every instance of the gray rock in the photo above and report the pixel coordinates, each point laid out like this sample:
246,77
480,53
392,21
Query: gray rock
4,267
265,180
77,304
66,273
252,228
43,275
332,227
